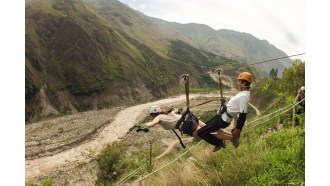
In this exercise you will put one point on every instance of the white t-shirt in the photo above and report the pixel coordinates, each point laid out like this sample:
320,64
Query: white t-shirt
168,121
237,104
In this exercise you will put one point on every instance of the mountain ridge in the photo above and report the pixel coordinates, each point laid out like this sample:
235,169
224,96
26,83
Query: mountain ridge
203,37
89,54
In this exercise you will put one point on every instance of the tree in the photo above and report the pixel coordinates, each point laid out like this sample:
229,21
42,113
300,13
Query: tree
293,78
276,71
273,73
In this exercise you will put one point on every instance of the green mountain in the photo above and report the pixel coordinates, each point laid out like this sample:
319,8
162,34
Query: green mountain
89,54
157,34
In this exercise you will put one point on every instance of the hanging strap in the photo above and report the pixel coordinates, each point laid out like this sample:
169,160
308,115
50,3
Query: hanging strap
182,119
179,138
170,110
177,126
222,100
186,86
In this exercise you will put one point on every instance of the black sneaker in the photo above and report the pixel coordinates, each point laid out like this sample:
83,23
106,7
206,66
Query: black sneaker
221,145
216,148
235,142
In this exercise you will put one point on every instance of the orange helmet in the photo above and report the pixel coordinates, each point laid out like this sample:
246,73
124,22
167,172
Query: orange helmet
245,76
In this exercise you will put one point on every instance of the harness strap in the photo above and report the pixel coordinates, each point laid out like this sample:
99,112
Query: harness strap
230,116
178,124
179,138
183,117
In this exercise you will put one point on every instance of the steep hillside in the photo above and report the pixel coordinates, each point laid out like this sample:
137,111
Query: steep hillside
87,54
77,60
243,47
154,33
69,48
255,50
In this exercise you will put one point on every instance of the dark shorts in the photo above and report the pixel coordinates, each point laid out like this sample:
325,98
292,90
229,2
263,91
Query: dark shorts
217,121
189,125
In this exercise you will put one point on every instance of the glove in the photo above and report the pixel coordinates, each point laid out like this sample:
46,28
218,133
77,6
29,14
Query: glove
236,133
143,127
180,109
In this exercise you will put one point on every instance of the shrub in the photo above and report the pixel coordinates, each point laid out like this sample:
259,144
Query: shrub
47,182
110,163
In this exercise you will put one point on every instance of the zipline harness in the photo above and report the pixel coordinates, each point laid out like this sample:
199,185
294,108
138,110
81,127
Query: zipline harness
186,85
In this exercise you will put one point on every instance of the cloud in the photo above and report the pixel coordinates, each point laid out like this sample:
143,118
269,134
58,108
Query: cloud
142,6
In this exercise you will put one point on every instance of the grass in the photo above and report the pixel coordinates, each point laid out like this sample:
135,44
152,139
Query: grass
116,162
45,182
263,158
276,159
273,159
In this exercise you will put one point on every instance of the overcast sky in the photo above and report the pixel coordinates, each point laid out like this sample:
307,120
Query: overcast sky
280,22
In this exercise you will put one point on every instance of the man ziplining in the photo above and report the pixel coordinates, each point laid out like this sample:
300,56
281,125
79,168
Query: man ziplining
237,105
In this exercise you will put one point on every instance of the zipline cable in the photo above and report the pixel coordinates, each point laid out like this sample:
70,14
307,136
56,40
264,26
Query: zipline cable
130,175
275,115
266,61
240,66
271,113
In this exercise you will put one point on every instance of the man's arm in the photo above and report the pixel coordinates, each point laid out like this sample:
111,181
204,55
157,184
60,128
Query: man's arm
154,122
241,121
239,126
145,127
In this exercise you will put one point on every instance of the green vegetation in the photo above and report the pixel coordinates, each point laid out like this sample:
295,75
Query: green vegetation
293,78
268,90
45,182
85,48
273,73
208,115
264,157
274,159
28,183
115,161
280,91
110,162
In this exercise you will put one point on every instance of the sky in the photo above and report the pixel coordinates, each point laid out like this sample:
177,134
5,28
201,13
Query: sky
280,22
